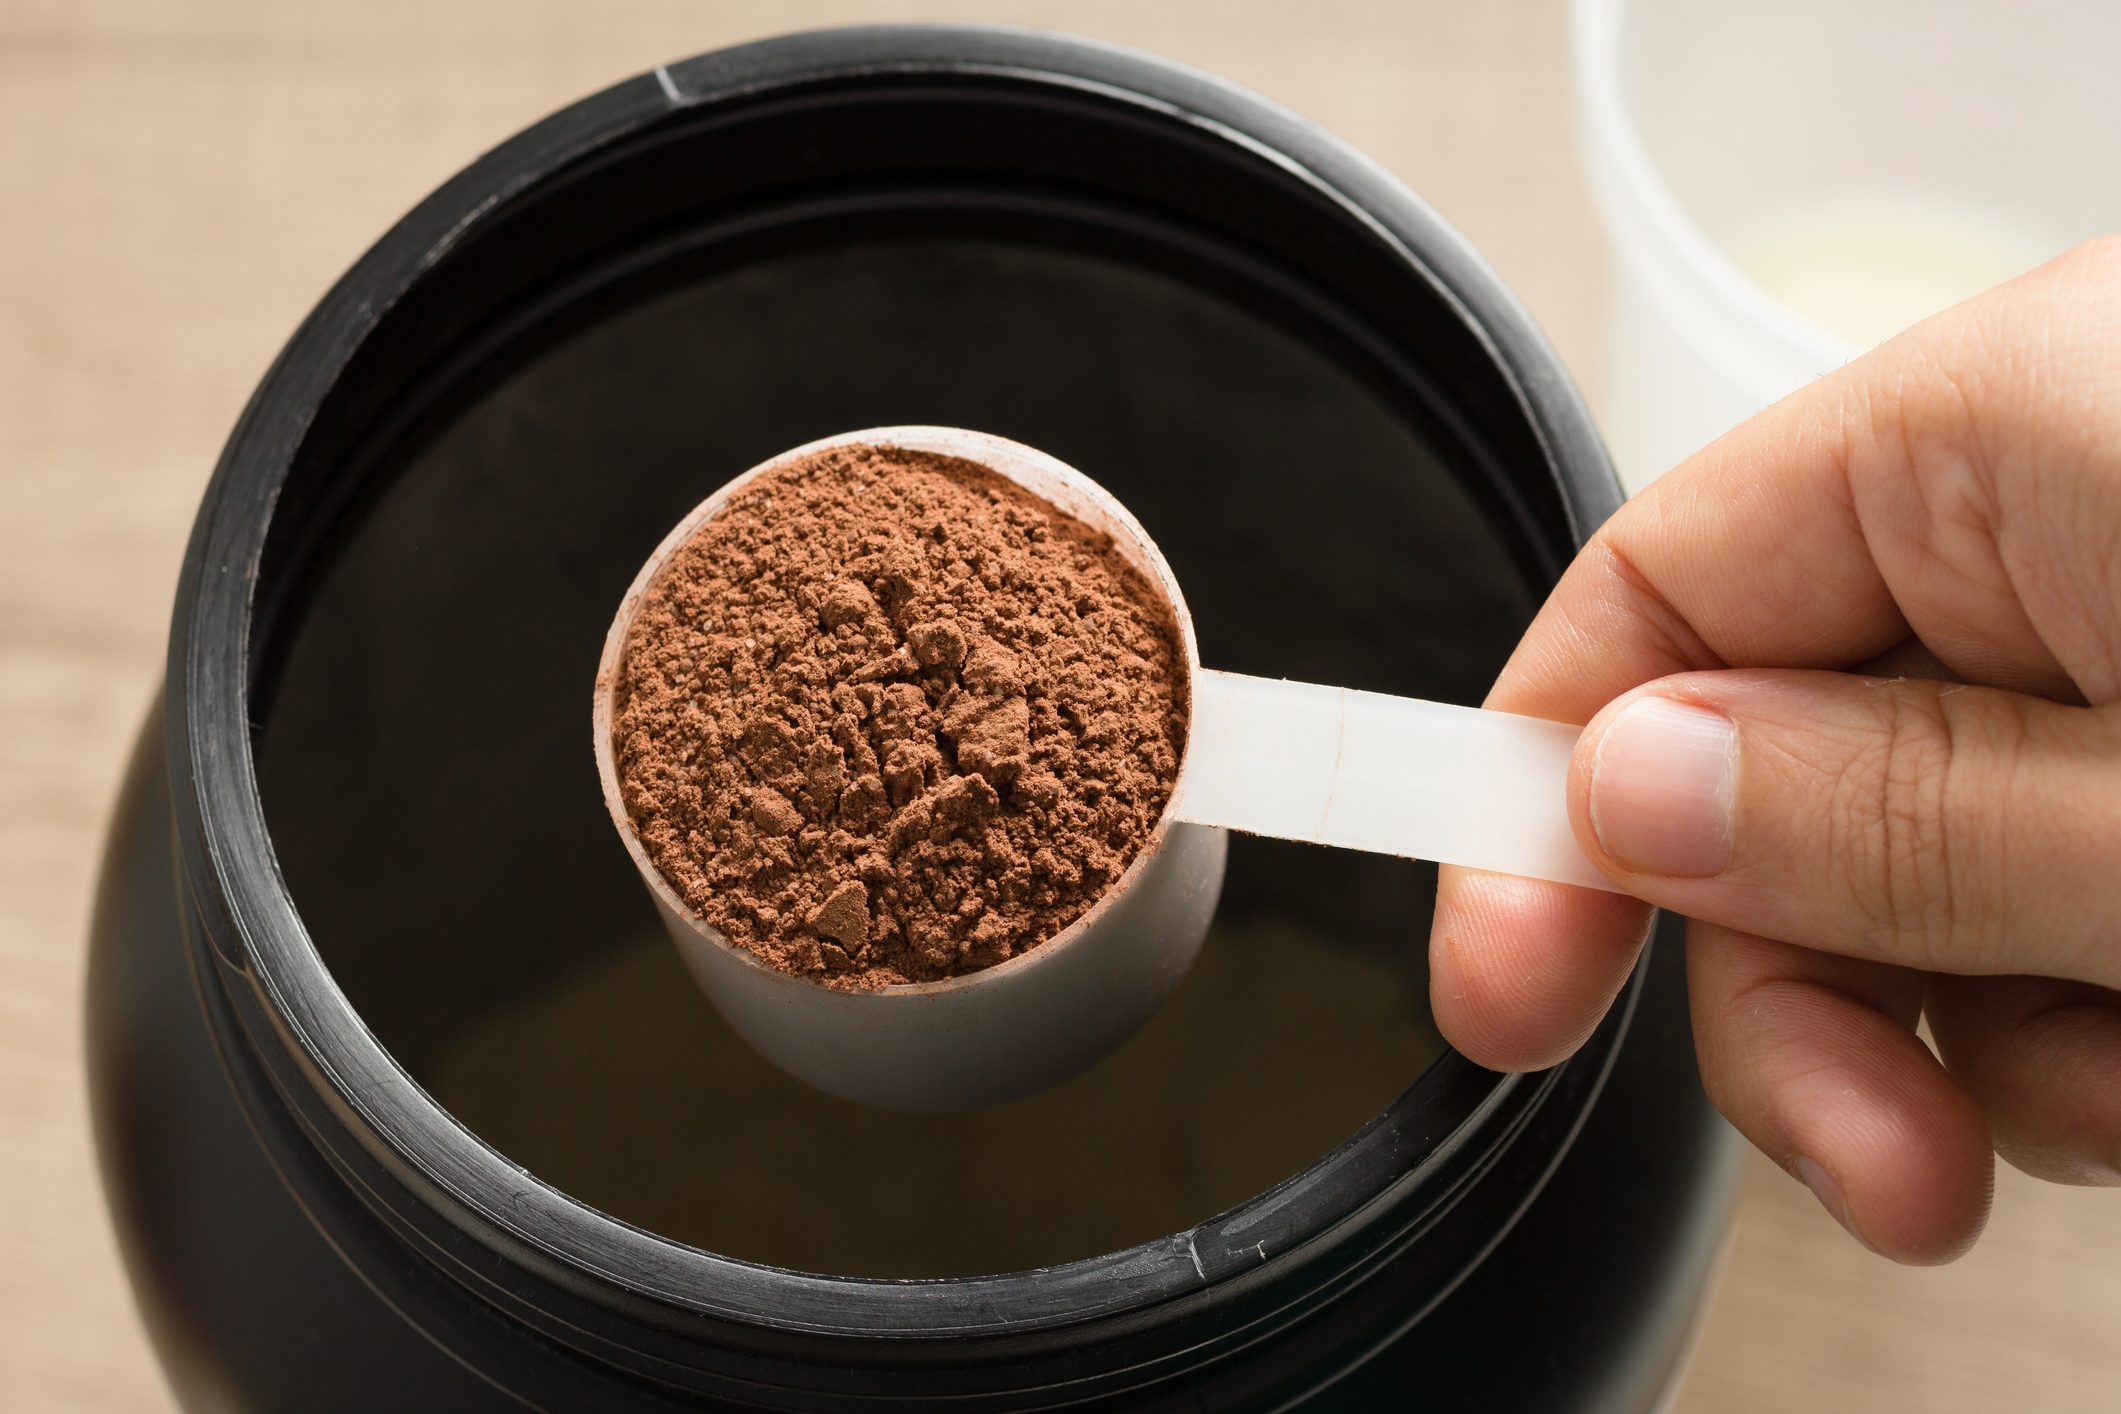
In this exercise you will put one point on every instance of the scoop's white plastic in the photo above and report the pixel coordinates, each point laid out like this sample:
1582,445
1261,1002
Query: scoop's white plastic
1390,775
1295,761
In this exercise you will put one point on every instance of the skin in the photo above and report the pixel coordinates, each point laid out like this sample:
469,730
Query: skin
1900,591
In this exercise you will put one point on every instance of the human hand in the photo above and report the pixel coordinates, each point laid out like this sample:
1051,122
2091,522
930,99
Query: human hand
1852,676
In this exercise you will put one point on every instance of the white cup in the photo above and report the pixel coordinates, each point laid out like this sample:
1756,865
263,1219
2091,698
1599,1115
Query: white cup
1786,183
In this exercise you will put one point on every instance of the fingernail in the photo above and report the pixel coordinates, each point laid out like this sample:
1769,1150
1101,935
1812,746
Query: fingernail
1826,1191
1663,779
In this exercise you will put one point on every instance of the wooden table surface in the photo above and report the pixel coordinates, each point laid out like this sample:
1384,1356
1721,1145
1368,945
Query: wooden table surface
179,182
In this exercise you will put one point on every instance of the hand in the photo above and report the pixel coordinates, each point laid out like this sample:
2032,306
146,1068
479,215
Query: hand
1852,676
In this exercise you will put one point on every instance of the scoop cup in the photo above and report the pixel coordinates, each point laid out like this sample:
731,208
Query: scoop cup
1292,760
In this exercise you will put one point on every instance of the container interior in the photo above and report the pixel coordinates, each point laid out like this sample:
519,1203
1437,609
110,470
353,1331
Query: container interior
423,748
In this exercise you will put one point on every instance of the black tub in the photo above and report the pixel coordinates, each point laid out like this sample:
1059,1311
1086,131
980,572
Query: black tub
404,1103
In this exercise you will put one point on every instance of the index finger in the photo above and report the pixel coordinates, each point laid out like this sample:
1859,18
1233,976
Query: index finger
1521,971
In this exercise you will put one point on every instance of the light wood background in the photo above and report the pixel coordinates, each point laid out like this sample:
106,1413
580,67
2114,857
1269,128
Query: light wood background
179,182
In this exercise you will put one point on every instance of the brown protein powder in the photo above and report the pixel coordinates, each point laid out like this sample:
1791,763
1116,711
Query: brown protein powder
888,717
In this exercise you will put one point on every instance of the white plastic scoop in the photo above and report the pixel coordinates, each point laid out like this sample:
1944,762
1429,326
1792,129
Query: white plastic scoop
1297,761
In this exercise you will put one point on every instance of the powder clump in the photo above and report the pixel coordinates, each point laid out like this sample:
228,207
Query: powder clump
888,717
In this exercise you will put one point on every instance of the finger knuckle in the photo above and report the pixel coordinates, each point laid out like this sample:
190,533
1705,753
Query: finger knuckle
1892,810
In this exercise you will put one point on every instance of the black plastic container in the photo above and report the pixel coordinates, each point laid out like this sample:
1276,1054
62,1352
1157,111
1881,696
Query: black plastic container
365,825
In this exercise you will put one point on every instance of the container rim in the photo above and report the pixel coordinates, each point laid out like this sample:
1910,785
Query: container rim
368,1114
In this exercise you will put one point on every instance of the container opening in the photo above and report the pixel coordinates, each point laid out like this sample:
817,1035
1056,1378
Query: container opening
424,756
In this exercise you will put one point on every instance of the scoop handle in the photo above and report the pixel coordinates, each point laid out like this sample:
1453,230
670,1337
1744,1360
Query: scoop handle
1390,775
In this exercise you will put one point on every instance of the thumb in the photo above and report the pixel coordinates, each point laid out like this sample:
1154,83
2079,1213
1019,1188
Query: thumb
1944,827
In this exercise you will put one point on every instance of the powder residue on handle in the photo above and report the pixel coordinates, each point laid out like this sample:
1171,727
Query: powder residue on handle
888,717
